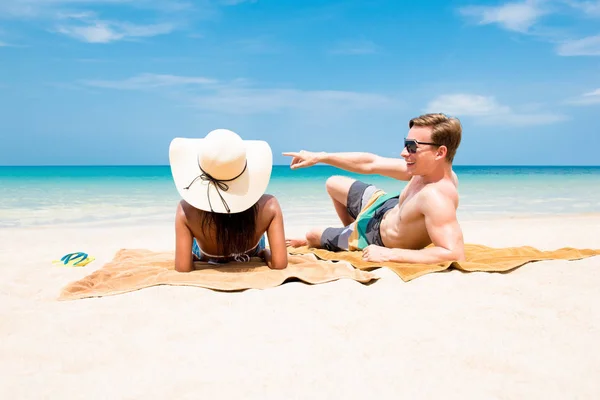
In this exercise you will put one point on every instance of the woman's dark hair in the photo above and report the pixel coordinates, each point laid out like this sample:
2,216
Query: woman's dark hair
234,232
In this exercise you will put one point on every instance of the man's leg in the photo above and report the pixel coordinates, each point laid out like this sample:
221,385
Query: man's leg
332,239
348,196
312,239
338,188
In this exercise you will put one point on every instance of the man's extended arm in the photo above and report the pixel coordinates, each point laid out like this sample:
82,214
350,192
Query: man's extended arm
443,229
361,163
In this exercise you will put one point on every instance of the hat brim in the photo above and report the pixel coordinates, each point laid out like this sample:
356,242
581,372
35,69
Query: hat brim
242,193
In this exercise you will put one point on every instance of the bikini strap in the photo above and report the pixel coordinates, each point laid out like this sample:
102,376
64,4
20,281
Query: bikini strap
235,256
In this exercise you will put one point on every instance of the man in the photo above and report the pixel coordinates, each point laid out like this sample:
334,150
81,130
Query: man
398,228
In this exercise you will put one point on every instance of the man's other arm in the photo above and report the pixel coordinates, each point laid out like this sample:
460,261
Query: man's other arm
443,229
358,162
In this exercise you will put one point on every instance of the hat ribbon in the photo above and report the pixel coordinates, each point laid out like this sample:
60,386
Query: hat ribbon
217,183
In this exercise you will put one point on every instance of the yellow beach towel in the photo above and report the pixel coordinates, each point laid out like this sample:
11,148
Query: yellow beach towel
478,258
137,269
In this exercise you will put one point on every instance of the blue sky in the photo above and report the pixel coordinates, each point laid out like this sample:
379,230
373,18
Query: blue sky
113,81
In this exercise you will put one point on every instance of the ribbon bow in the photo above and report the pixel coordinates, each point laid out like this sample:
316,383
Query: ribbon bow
217,183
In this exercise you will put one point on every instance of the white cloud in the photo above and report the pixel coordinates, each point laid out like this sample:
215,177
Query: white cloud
517,16
97,33
593,93
591,8
585,99
254,100
83,15
109,31
358,47
75,19
240,97
487,110
149,81
588,46
523,16
466,104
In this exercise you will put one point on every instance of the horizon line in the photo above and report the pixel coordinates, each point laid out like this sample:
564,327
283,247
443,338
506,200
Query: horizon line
286,165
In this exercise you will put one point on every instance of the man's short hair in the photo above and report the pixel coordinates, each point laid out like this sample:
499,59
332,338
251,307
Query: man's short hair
446,131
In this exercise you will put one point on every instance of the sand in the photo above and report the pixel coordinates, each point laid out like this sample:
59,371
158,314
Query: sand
528,334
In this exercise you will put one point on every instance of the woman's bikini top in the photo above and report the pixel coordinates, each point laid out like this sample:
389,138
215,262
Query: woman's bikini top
239,257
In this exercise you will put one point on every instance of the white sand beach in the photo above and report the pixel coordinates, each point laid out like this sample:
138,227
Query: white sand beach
528,334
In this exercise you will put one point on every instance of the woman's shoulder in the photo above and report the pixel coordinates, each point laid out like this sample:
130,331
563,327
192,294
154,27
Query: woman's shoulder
186,212
268,203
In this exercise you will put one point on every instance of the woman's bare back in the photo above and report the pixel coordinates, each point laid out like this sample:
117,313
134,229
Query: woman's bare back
269,220
208,240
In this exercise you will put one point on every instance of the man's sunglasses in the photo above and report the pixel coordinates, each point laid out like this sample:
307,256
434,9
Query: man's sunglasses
411,145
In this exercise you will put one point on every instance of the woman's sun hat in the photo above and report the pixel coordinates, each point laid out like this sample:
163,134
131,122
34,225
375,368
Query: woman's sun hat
221,172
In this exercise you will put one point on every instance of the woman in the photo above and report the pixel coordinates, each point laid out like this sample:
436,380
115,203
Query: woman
225,213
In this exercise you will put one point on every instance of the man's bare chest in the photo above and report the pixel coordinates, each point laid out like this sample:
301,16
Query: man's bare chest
408,208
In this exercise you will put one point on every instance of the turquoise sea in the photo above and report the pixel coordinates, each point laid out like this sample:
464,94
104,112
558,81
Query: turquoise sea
42,196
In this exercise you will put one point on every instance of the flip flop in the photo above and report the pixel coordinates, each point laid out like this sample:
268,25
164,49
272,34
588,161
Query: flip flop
78,259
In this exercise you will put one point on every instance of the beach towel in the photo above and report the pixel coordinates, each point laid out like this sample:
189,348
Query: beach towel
133,269
478,258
